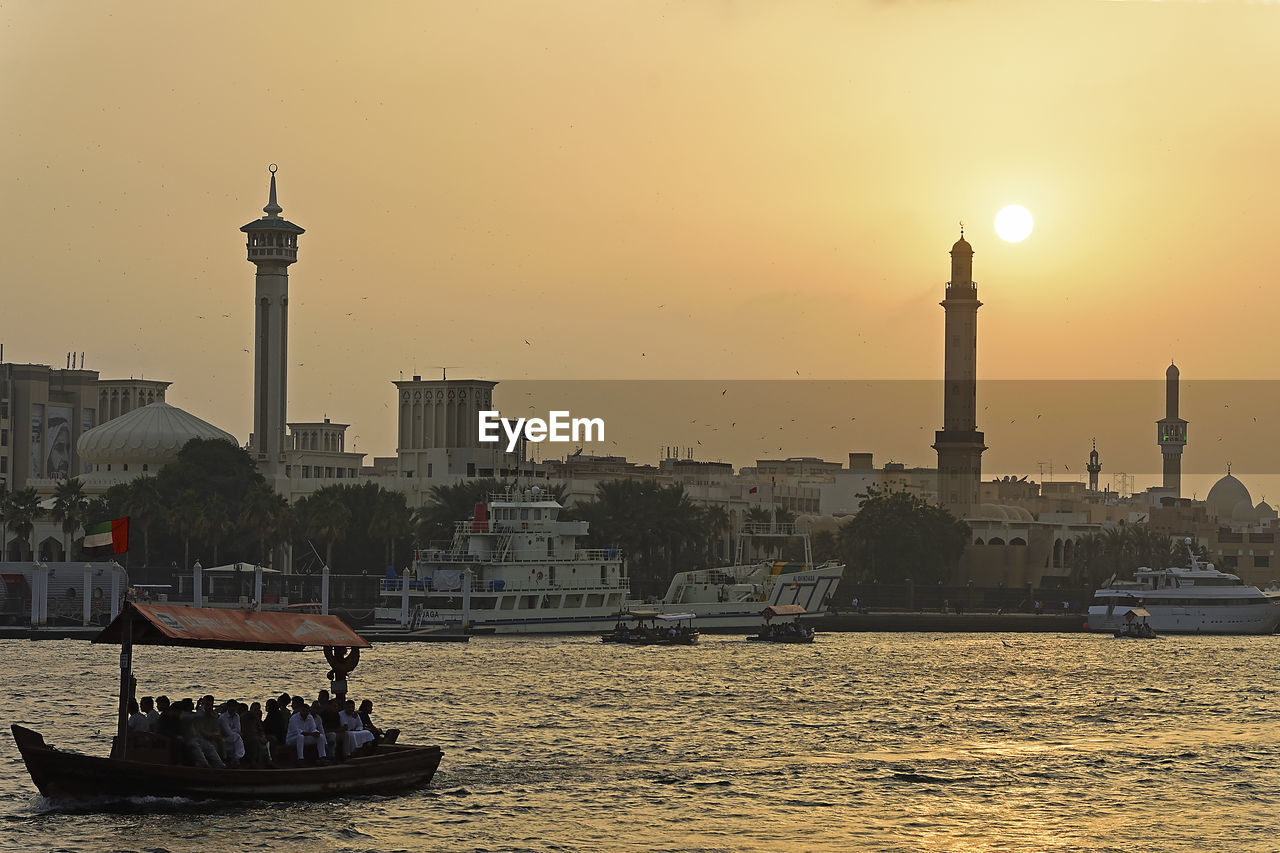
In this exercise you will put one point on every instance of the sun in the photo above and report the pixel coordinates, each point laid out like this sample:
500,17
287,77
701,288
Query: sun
1014,223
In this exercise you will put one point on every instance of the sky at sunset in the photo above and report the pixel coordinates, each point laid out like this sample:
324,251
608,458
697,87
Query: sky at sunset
642,190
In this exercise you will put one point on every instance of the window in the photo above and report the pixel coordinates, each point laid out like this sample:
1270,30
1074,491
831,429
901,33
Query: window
1262,562
306,472
428,470
4,438
551,546
471,469
4,464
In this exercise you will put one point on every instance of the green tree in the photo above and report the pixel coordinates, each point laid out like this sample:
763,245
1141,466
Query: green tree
70,505
145,507
896,536
267,515
391,520
186,516
325,517
22,511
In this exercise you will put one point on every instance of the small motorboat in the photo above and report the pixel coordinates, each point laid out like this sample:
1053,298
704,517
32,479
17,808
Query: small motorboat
787,628
652,628
1136,626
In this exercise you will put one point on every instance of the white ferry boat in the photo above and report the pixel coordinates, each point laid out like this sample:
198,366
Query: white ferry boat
515,568
1195,600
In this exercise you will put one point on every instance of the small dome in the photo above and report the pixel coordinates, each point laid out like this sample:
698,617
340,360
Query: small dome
1172,372
152,434
989,511
1224,496
962,246
1264,511
1243,511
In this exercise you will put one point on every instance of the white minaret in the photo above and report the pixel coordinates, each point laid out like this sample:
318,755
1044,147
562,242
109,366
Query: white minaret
272,245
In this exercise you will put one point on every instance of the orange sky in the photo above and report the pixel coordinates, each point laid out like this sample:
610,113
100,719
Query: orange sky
737,190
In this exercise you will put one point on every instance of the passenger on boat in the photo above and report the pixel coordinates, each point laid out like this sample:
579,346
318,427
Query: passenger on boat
275,726
356,736
327,712
197,748
257,747
304,730
138,722
233,743
366,719
148,708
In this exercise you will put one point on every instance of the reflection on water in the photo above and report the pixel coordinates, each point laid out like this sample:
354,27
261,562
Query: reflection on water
860,741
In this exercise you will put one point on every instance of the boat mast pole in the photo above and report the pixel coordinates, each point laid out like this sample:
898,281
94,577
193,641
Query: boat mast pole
126,683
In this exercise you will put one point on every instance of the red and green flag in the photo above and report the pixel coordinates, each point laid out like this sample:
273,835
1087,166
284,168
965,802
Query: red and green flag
111,537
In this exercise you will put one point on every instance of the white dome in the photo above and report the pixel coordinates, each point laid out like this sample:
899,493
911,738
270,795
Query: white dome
1244,511
151,434
1224,496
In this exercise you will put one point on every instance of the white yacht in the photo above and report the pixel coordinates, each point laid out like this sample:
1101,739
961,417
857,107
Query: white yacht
1195,600
516,568
733,596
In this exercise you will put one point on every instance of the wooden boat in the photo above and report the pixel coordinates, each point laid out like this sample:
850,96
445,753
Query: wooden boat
652,628
133,771
787,629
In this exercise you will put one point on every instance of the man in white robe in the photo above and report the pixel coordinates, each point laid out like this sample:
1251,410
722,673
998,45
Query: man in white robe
303,730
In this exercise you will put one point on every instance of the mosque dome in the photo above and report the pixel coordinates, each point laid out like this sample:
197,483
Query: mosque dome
1224,496
962,246
1243,511
1264,511
151,434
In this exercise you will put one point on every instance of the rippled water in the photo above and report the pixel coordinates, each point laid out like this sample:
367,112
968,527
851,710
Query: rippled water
859,742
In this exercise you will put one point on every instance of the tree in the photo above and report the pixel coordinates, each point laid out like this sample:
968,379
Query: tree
896,536
325,517
69,507
391,520
185,515
267,515
22,511
144,506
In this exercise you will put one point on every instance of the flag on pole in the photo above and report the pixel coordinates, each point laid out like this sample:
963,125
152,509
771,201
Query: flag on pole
112,534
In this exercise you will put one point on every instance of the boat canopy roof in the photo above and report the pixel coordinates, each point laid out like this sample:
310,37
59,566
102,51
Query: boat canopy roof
1139,612
676,617
782,610
212,628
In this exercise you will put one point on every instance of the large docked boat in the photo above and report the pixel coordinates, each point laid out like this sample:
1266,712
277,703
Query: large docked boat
515,568
1198,599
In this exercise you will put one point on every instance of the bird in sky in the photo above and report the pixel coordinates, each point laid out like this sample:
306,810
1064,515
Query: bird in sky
726,391
528,344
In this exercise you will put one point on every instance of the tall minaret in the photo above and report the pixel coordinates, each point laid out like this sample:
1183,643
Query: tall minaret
959,444
272,245
1171,433
1094,467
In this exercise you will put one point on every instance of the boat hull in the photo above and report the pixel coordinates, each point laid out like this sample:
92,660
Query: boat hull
59,774
1202,619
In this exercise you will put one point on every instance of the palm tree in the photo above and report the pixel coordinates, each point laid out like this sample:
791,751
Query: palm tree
391,521
267,515
186,516
69,507
144,506
22,511
326,518
217,522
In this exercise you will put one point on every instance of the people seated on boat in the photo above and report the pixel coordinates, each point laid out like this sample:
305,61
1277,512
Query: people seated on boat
330,720
366,719
304,731
138,722
353,728
198,749
275,726
233,743
147,705
257,747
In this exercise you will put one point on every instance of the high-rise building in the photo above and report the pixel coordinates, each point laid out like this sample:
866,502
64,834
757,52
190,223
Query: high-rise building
959,444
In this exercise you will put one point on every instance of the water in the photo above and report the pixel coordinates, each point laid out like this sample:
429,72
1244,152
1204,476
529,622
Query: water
858,742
